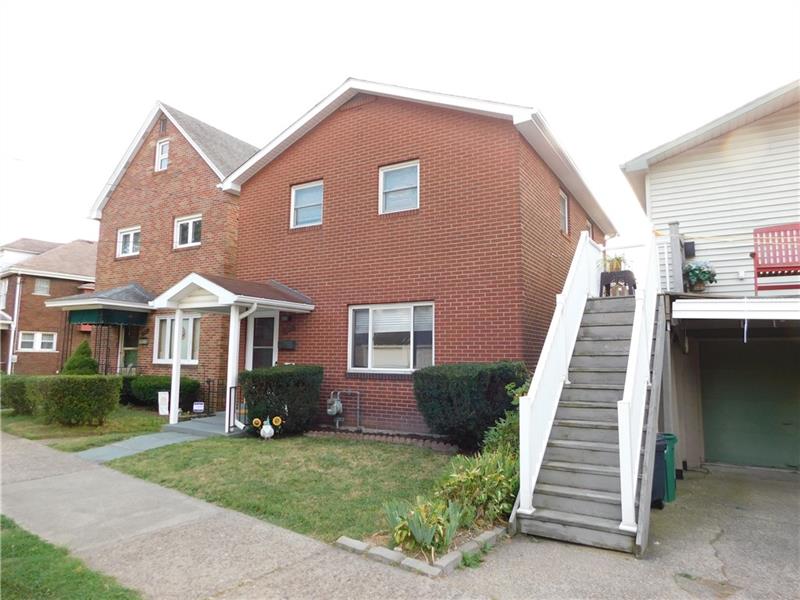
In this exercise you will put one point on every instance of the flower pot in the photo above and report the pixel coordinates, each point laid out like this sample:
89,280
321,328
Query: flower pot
698,286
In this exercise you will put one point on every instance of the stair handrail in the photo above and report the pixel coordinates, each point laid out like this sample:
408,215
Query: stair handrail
537,409
631,409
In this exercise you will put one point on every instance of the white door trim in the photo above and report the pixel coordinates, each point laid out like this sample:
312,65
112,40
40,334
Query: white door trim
248,353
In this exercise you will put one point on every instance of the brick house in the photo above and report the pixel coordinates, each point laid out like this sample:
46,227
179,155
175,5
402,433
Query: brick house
389,229
35,337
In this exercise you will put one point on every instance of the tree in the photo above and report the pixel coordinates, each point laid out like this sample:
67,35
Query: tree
81,361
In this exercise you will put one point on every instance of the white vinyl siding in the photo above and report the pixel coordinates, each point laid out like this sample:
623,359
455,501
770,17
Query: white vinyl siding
721,190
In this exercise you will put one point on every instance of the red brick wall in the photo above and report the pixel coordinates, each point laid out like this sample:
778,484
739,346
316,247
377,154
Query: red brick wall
152,200
462,249
35,316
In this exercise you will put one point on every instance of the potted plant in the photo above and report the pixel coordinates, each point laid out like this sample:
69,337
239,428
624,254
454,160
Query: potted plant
614,264
615,280
698,274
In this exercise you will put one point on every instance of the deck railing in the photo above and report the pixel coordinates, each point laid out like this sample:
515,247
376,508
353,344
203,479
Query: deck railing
537,409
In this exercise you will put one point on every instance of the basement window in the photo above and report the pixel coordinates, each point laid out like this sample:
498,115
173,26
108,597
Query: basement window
162,155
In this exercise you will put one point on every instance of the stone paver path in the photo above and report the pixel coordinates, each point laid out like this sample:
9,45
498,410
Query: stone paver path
169,545
134,445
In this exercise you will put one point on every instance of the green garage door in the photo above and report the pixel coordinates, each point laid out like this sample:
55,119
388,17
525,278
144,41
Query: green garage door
751,402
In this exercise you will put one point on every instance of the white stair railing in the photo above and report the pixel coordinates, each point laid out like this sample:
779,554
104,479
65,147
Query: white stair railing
631,409
537,409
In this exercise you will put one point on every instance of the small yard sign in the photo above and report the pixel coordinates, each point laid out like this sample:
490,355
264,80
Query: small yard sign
163,403
198,407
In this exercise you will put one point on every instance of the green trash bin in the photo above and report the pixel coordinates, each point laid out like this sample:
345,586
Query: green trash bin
669,458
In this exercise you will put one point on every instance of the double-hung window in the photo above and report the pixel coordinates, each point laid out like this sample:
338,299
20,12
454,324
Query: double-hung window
41,286
187,231
398,187
391,337
3,293
128,241
564,212
36,341
162,155
190,339
307,204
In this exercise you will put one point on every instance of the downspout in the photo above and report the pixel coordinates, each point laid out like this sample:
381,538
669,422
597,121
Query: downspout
11,337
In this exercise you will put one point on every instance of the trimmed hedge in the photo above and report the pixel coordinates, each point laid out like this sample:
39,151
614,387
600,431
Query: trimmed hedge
144,390
81,361
15,395
462,401
288,391
78,399
126,395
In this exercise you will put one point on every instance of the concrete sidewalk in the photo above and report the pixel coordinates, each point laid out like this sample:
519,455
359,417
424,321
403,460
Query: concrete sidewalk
169,545
134,445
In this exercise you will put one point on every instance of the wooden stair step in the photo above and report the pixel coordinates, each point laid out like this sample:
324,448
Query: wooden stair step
578,493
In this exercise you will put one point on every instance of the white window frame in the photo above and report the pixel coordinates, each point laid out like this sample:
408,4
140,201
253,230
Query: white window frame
37,341
161,155
369,368
190,219
564,212
590,229
128,231
301,186
260,314
3,293
386,169
193,318
36,286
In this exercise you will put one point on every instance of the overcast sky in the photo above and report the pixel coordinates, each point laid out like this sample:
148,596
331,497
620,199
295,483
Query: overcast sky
613,79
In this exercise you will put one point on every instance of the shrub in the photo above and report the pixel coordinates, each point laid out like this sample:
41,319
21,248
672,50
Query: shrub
126,394
80,399
36,390
428,525
463,400
145,388
14,394
287,391
504,435
81,361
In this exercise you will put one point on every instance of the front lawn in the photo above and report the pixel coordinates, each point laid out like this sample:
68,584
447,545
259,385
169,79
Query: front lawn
32,568
123,423
317,486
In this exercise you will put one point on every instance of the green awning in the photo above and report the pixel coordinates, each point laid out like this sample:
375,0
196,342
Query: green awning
106,316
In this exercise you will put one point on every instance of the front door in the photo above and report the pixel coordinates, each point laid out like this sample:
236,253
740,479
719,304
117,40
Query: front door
263,349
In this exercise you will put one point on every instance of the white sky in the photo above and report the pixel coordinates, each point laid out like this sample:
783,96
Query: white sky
613,79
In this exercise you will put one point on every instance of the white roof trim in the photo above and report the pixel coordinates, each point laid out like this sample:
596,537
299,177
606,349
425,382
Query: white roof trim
530,123
138,141
90,303
14,270
778,309
759,108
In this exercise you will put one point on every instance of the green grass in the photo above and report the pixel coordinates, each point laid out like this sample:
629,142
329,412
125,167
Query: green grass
32,568
123,423
317,486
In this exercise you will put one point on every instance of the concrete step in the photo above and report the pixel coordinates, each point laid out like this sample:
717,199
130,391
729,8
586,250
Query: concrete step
617,360
595,477
607,305
578,529
585,431
606,346
582,452
597,375
589,411
580,501
604,332
590,392
607,318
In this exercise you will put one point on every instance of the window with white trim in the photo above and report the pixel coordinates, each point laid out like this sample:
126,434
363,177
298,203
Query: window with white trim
128,241
398,187
307,204
3,293
41,286
36,341
187,231
190,340
564,212
590,229
391,337
162,155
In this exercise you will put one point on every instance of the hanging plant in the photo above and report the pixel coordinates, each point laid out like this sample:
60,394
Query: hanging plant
698,274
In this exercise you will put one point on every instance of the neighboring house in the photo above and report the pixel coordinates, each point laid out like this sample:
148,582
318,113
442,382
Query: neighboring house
22,249
387,230
36,338
161,217
732,391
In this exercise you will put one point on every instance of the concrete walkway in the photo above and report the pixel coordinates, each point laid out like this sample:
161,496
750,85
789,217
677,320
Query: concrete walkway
134,445
168,545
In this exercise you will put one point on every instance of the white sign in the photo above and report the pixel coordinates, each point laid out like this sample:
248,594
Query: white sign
163,403
198,407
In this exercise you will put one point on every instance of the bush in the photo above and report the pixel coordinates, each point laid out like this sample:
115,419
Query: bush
80,399
81,361
428,525
144,390
287,391
126,394
14,394
462,401
504,435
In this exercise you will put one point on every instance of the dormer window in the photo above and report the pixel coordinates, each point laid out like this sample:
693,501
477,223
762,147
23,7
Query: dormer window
162,155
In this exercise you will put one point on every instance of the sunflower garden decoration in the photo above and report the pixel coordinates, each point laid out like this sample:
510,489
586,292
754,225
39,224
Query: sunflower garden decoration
268,427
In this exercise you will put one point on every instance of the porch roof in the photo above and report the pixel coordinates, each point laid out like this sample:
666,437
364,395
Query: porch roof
217,293
132,297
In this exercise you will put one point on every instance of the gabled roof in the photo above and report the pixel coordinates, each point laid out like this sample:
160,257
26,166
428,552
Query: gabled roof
74,260
274,290
530,123
759,108
221,152
30,245
130,296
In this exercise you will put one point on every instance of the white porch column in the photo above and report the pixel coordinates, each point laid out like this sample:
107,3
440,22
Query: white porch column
233,364
175,389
